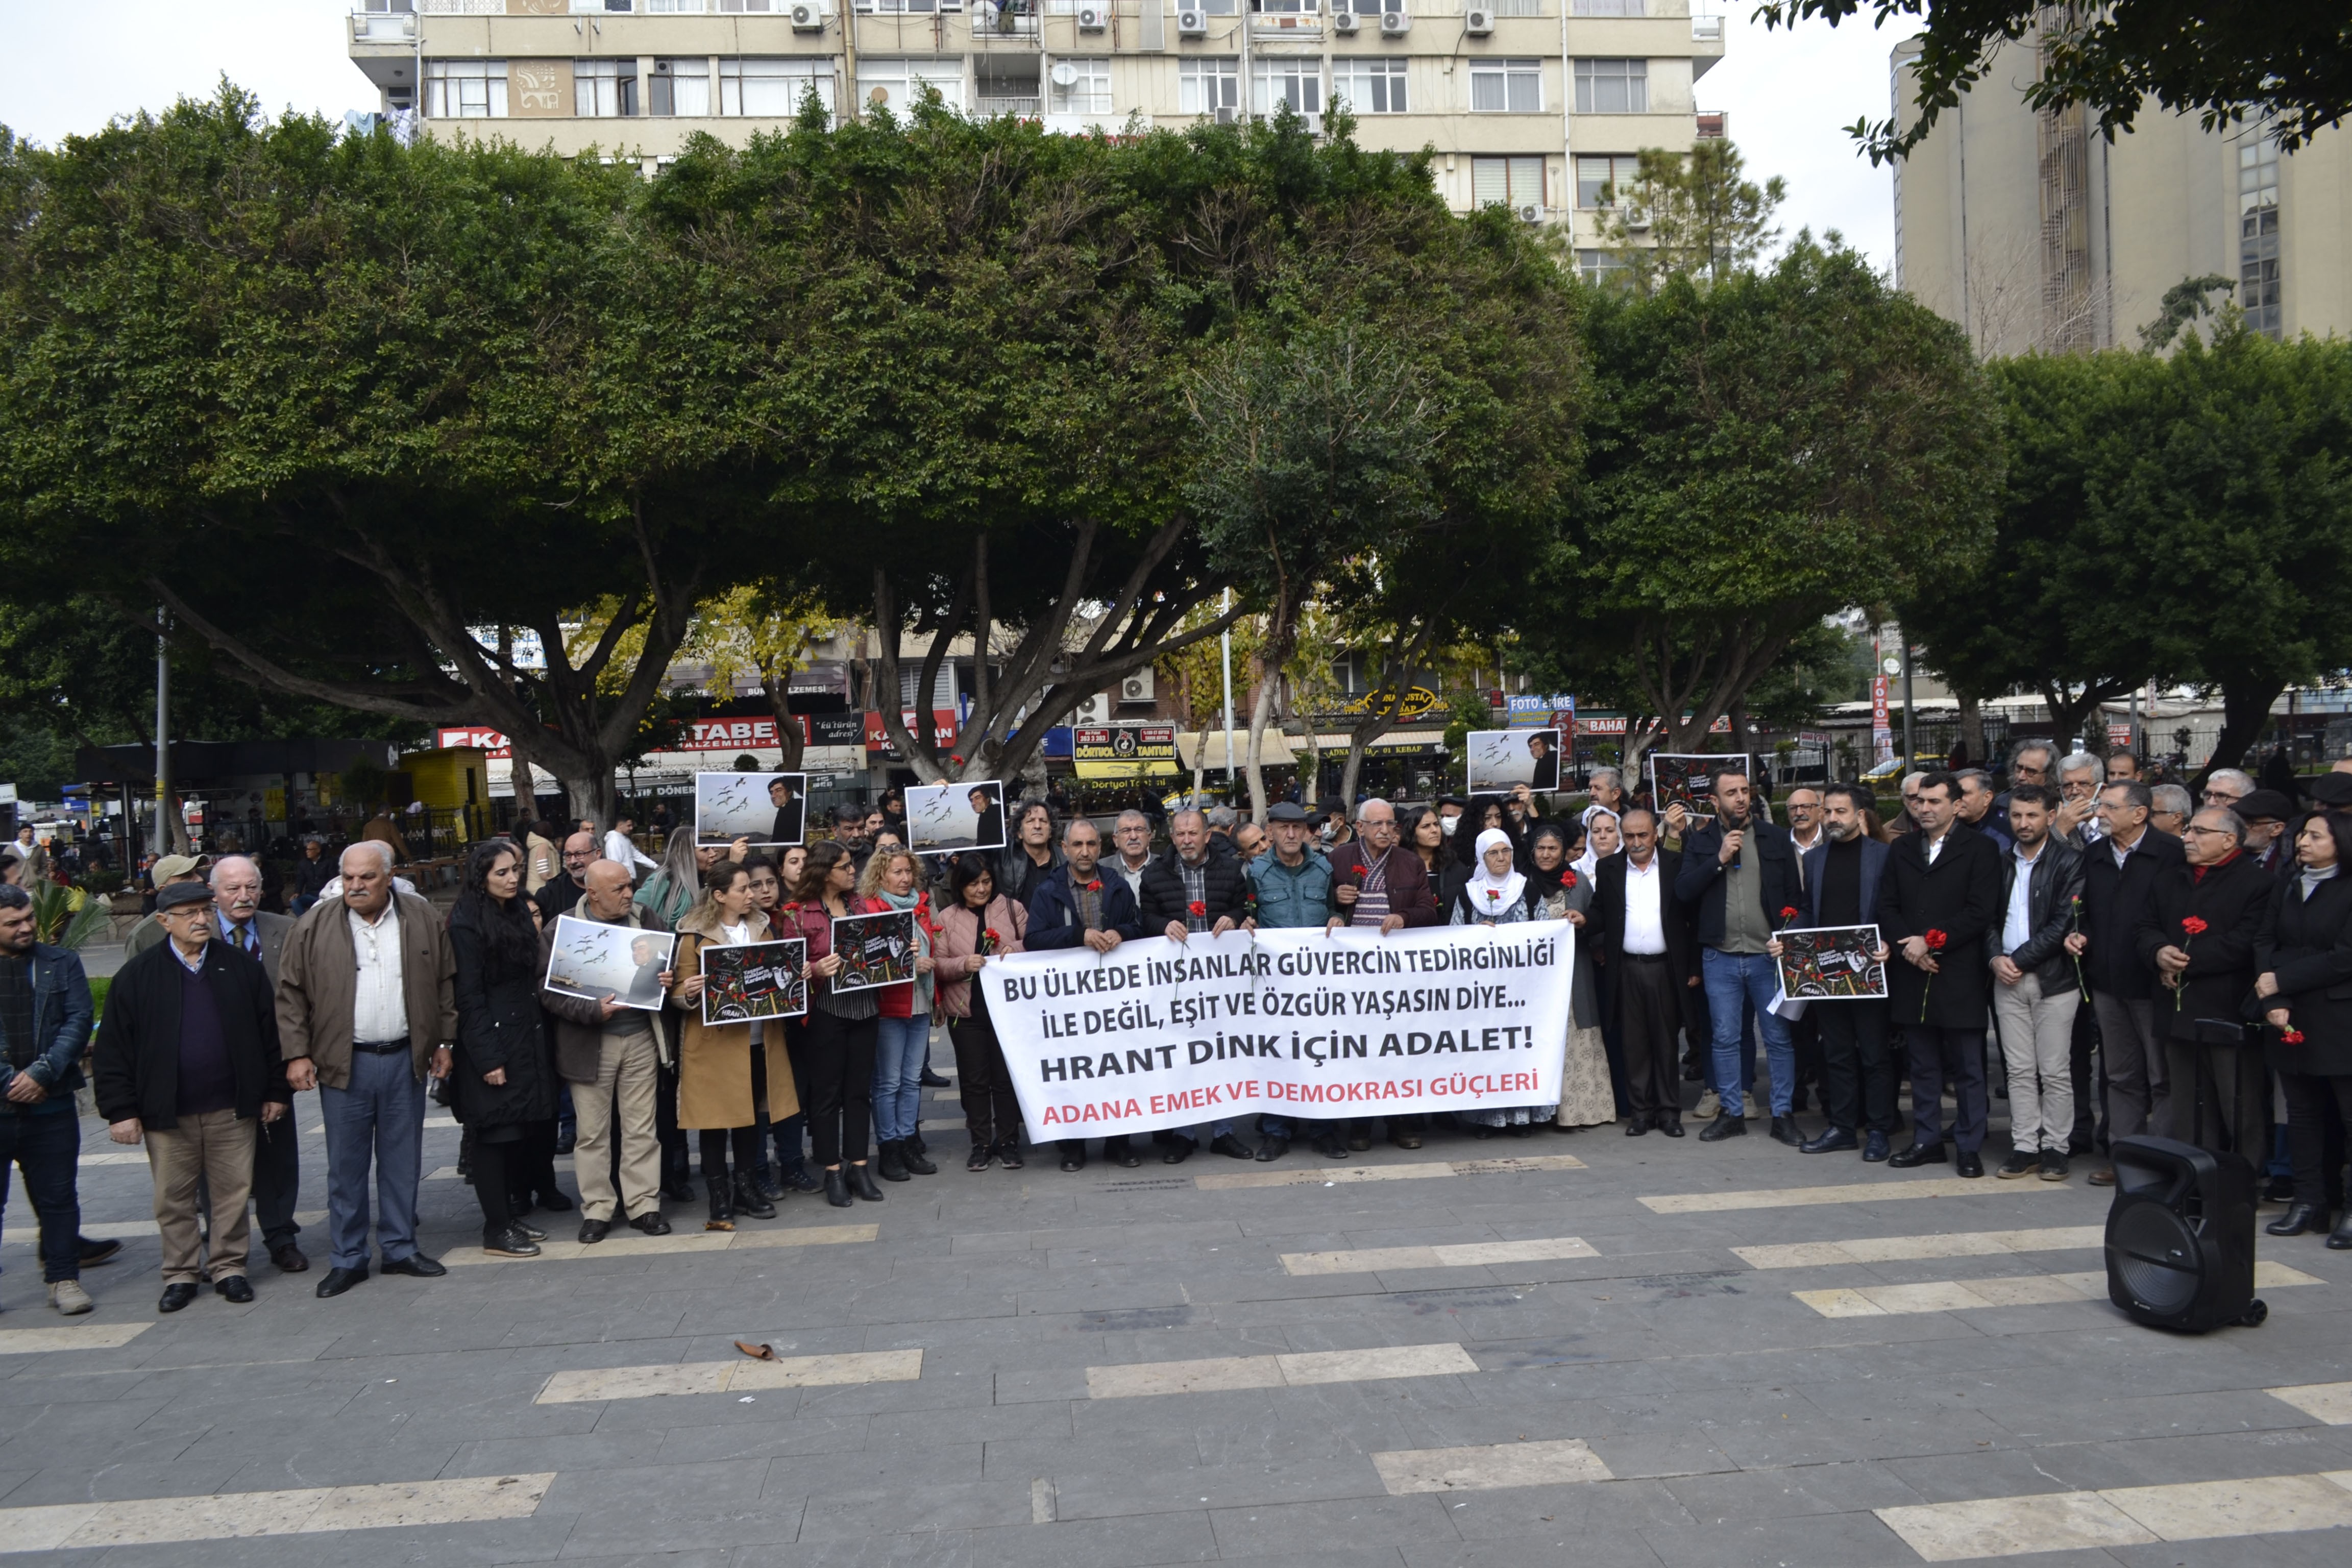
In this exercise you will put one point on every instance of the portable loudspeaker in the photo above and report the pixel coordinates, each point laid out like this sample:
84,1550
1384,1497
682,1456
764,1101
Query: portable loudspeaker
2180,1236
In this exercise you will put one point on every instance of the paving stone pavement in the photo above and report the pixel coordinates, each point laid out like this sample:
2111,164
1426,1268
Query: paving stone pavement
1511,1359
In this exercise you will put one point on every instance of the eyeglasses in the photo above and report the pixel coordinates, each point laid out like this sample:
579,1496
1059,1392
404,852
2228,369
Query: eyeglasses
2221,797
2216,832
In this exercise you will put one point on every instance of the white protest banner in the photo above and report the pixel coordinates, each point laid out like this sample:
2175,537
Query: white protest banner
1321,1024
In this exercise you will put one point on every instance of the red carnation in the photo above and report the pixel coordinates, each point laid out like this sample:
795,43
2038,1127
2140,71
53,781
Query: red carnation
1936,940
989,940
2193,924
2291,1037
1788,911
953,758
1568,878
1094,886
1196,908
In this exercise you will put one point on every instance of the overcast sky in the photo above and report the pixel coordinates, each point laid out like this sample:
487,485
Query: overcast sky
68,66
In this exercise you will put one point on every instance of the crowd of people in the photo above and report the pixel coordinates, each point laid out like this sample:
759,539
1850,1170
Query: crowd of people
2111,959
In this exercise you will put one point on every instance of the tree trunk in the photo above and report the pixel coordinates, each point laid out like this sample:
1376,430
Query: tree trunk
1261,709
2246,710
790,741
1972,729
1743,733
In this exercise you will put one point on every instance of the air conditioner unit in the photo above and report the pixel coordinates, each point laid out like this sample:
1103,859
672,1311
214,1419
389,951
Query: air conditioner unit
808,17
1136,688
1093,18
1344,22
1636,219
1477,23
1395,24
1530,212
1191,22
1095,709
1227,114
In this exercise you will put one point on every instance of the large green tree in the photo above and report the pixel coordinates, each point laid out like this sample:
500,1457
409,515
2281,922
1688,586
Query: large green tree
1764,453
356,412
2185,517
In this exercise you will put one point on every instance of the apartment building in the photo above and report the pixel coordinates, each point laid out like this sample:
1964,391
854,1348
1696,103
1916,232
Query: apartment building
2032,230
1536,104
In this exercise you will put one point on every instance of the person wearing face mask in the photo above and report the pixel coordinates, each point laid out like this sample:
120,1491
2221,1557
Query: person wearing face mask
1424,833
2304,987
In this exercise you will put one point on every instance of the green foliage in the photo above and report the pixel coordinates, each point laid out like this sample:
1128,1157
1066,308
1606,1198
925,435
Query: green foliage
1764,452
1700,216
66,917
2183,303
2178,517
2282,61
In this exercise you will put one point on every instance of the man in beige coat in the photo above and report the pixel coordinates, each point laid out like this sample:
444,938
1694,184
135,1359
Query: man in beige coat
366,1005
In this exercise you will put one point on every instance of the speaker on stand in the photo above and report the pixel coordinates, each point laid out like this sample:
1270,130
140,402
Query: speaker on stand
2180,1236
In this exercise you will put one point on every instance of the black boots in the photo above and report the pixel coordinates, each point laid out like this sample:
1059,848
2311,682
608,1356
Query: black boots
893,1162
911,1155
836,1190
861,1182
748,1200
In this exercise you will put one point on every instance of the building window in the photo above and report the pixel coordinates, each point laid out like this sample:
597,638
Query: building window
1293,79
605,90
1507,182
682,87
1206,84
2258,234
1368,84
906,7
465,90
1605,180
897,84
1601,266
773,88
1613,87
1086,92
1505,87
1607,8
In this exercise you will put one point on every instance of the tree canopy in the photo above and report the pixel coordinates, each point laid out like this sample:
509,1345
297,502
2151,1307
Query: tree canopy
2285,62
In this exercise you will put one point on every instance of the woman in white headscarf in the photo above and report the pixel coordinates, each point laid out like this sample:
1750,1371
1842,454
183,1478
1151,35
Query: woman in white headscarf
1601,839
1497,894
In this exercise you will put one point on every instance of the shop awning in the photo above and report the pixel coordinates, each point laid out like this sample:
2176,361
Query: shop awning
1273,750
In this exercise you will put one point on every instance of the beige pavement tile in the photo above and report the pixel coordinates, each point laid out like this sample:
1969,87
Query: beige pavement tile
227,1516
625,1243
593,1383
1322,1175
1940,1244
43,1528
1459,1255
2328,1402
458,1501
2013,1526
2012,1291
2268,1505
1844,1193
1841,1303
1488,1468
1296,1370
78,1337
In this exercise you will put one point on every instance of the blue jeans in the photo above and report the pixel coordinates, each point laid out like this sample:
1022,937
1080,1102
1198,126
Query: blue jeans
47,1145
901,1048
377,1119
1735,983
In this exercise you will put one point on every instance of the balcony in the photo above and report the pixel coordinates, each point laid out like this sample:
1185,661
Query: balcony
997,108
1287,19
382,28
1010,25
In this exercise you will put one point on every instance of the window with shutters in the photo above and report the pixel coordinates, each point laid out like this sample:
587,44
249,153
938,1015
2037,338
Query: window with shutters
1605,179
1507,182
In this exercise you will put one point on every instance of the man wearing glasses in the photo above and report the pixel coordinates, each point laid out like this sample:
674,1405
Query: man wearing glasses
2200,930
562,895
2120,873
2226,787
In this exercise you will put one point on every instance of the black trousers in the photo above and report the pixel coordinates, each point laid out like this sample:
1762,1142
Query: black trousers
1805,1040
715,1140
675,1164
277,1181
1648,1013
1857,1064
991,1112
498,1172
840,1087
2318,1110
1942,1056
2083,1068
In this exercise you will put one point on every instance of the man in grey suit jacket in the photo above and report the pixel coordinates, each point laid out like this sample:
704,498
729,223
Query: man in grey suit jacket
277,1147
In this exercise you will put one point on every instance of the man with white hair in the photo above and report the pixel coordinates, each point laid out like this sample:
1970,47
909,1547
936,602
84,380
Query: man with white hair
366,1005
245,925
1608,787
2080,778
2226,787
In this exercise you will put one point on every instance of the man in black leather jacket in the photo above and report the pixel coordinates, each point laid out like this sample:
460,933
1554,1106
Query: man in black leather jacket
2036,989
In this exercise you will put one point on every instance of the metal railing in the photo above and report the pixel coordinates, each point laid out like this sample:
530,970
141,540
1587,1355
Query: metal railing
1010,25
990,107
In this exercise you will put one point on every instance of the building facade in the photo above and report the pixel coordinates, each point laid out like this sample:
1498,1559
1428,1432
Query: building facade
2032,230
1537,104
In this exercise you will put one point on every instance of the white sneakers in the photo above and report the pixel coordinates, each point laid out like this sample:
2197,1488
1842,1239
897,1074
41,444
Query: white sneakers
1709,1107
69,1298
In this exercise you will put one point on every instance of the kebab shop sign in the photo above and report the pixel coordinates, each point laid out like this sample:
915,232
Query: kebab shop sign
1327,1024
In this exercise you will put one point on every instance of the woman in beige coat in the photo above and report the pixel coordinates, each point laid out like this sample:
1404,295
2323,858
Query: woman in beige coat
715,1095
